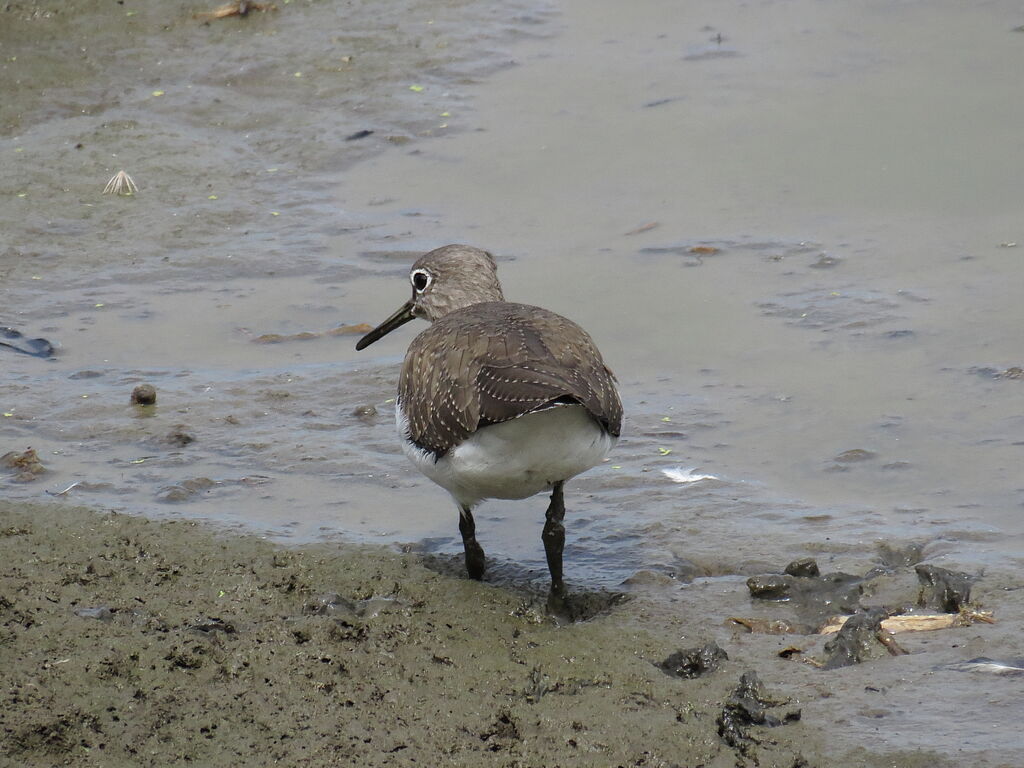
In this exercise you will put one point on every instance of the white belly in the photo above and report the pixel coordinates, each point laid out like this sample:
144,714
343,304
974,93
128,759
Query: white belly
516,458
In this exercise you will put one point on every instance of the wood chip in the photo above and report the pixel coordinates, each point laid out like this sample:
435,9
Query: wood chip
644,228
916,623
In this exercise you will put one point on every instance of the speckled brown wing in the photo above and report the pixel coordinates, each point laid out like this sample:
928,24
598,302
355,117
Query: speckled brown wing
495,361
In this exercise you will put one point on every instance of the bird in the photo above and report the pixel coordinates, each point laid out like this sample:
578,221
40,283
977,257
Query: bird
498,400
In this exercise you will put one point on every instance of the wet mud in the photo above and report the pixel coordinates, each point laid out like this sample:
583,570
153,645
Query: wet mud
126,641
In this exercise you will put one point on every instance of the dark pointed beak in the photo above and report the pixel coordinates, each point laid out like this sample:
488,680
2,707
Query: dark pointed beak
401,317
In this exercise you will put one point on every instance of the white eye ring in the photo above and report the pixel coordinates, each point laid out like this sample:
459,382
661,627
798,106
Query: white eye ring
421,280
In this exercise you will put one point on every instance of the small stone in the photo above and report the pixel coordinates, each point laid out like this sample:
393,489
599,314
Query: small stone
806,567
144,394
365,413
770,586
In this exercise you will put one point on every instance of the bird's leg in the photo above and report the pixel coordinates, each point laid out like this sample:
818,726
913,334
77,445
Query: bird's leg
554,543
474,552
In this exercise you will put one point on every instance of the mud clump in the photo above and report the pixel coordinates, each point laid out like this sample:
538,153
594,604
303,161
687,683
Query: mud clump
856,641
805,568
901,557
749,706
185,490
694,662
816,594
949,591
179,436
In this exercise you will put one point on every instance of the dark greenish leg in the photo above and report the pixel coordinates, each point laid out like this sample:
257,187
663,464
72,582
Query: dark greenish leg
554,543
474,552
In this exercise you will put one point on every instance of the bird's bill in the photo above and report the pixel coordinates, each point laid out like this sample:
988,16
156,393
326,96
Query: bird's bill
401,317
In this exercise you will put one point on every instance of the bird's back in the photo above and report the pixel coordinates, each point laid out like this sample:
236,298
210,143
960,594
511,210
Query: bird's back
495,361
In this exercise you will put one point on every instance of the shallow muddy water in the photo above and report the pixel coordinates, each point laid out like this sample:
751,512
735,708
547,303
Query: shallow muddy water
793,228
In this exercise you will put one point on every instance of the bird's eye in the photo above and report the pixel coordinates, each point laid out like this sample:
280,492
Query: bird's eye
420,280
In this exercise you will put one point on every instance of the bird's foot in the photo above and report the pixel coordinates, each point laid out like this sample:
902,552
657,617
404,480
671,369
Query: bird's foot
475,561
558,603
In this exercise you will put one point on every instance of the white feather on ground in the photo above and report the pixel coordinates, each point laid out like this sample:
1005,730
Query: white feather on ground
680,475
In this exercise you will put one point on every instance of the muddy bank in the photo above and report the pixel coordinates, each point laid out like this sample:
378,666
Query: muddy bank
165,643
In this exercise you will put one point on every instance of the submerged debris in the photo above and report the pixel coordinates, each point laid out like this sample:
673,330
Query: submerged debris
341,330
26,465
13,339
178,436
825,262
185,490
695,662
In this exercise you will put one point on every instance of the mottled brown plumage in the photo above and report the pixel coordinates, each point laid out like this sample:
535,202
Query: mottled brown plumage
495,361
